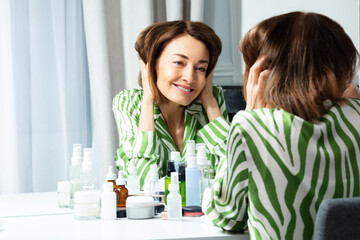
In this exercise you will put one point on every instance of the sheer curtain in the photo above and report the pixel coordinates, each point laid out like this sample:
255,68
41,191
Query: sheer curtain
44,92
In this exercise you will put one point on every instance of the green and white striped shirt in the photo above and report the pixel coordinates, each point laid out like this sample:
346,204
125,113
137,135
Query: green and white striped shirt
154,148
280,167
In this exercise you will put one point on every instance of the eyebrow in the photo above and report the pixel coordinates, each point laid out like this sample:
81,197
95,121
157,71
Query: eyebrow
185,57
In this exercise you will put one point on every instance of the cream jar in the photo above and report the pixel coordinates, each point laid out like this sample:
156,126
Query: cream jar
140,207
87,205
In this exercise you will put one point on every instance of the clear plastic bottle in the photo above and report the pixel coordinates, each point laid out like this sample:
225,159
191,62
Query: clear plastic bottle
192,183
174,199
121,191
204,168
75,172
175,156
108,202
190,149
151,185
87,177
111,177
170,168
133,180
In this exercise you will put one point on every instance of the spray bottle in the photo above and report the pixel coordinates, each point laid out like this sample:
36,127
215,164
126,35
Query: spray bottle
133,180
204,167
75,172
87,177
174,199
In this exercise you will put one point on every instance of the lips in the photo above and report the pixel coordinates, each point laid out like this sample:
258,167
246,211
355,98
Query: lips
184,88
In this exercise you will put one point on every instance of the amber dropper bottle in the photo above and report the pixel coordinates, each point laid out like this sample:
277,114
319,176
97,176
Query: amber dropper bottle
121,191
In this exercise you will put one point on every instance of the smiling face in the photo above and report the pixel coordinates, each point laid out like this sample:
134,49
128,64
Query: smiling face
181,69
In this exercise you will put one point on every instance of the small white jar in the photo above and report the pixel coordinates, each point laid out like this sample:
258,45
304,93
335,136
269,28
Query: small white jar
87,205
140,207
63,194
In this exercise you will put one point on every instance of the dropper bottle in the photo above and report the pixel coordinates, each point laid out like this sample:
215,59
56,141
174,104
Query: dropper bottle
87,177
75,172
121,191
111,177
174,199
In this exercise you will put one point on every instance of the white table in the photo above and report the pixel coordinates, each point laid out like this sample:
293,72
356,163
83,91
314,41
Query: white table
36,216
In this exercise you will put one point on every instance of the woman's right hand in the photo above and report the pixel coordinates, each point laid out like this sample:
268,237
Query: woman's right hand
148,95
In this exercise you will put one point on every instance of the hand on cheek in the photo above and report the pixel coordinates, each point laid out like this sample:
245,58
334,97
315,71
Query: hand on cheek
206,94
145,81
256,84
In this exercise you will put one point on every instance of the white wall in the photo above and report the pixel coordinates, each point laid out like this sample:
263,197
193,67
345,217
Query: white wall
231,19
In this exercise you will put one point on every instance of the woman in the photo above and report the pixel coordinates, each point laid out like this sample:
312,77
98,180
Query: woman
177,101
297,142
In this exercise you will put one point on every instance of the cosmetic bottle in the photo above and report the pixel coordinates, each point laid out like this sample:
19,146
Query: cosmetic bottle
111,177
133,181
170,168
75,172
175,156
108,202
87,177
192,183
86,205
63,194
121,191
182,184
204,168
151,185
174,199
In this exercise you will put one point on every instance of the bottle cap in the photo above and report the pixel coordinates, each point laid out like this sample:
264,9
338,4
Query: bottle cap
174,183
181,171
191,162
86,197
201,156
108,187
154,173
132,168
175,156
87,164
64,186
170,167
111,174
120,180
76,158
190,147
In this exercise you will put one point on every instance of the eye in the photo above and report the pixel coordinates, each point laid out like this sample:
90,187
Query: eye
179,63
201,69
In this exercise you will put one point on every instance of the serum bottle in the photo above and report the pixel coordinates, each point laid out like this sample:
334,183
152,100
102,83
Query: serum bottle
192,183
174,199
170,168
182,183
111,177
108,202
175,156
121,191
75,172
133,181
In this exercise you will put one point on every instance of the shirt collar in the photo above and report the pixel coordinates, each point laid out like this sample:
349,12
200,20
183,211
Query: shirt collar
194,108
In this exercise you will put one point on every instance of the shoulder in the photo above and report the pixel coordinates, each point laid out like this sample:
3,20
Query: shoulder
128,98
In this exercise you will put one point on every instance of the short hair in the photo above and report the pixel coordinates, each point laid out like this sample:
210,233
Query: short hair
153,39
310,57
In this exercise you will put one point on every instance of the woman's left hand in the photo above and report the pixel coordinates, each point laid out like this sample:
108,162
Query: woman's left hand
207,93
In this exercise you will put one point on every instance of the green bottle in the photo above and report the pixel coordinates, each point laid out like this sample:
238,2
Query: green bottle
170,168
182,187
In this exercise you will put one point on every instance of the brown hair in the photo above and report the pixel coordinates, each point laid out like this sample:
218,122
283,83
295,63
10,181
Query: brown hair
310,57
153,39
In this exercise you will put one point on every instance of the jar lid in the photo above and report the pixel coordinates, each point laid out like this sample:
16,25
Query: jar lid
140,201
64,186
86,197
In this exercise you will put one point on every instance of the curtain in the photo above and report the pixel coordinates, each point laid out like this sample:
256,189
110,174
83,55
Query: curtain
111,28
44,89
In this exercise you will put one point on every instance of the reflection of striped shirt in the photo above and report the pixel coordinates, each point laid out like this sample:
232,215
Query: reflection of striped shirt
280,167
154,148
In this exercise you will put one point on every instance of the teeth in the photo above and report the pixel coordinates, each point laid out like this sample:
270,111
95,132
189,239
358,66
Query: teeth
187,90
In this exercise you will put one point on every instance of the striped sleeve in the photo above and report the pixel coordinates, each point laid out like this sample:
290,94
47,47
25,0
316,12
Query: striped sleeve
227,207
133,144
214,134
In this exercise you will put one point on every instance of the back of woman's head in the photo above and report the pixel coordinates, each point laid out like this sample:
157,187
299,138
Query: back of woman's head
153,39
310,57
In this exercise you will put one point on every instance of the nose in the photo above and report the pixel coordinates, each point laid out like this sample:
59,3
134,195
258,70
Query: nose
188,74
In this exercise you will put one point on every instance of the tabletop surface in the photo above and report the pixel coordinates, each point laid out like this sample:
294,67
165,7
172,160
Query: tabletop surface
37,216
